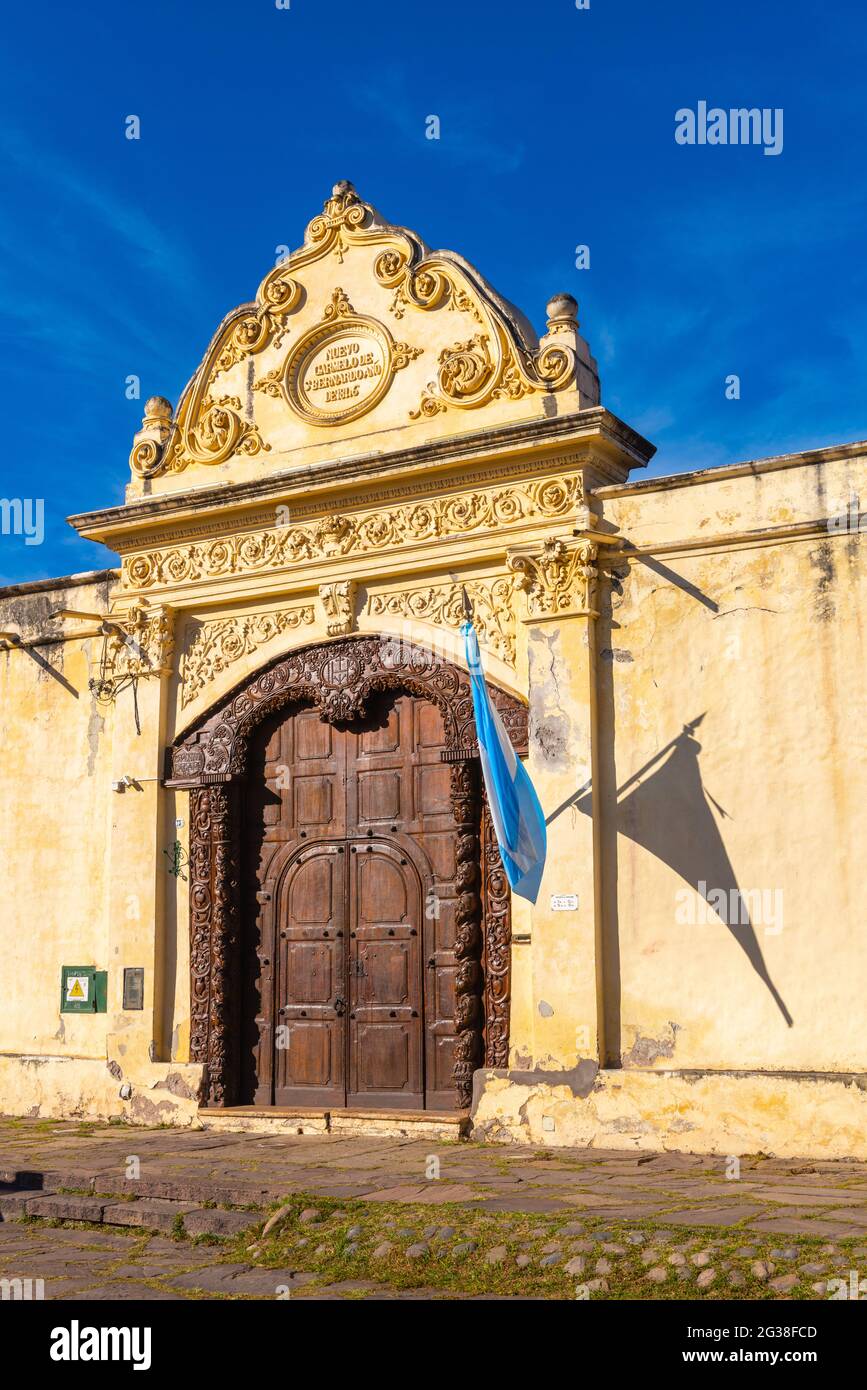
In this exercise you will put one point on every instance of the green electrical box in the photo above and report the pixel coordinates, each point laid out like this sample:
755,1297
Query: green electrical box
83,989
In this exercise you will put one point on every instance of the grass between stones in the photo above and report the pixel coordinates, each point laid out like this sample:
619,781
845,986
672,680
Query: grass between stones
458,1250
454,1250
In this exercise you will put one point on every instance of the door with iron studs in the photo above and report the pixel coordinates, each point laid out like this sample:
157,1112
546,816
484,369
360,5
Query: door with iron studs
348,870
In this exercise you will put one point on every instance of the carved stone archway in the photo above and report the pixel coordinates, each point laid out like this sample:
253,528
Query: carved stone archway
338,679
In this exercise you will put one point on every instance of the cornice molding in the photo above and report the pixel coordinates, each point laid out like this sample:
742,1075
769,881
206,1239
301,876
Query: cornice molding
592,439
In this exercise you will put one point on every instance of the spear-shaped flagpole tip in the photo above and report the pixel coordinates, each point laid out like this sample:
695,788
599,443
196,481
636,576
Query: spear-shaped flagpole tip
468,607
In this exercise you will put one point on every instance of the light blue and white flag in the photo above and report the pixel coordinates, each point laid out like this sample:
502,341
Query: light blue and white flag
519,823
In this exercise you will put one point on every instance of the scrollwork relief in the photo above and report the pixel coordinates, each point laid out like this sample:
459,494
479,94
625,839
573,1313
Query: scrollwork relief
142,645
442,605
212,647
499,360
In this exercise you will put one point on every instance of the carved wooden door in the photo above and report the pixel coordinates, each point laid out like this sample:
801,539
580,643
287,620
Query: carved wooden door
349,911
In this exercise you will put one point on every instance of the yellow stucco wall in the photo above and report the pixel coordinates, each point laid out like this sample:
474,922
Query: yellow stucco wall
54,824
757,647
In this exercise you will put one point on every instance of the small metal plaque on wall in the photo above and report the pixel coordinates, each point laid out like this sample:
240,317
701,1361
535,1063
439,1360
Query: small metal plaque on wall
133,987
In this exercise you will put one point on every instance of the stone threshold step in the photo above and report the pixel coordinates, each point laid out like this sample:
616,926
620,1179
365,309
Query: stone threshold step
443,1125
148,1213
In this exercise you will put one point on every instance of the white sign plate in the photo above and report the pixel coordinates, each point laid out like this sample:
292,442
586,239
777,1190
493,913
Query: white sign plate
77,989
564,902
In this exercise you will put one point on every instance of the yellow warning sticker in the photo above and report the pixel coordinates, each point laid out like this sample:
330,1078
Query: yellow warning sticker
77,988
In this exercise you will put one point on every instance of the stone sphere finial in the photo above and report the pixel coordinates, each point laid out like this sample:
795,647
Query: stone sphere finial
562,308
341,188
158,408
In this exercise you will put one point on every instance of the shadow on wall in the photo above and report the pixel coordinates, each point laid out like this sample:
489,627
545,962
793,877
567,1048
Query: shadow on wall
665,808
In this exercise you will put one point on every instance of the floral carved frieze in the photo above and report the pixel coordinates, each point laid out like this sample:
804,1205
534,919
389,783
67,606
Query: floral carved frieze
559,579
368,531
442,605
211,647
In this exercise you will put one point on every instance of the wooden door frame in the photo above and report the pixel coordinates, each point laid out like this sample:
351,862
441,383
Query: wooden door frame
210,760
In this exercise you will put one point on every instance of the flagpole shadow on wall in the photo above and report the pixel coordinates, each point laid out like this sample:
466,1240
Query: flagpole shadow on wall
665,808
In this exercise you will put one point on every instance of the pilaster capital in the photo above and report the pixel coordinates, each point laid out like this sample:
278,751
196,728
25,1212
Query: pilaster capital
142,643
559,579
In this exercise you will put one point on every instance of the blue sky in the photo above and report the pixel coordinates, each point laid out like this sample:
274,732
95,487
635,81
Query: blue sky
120,257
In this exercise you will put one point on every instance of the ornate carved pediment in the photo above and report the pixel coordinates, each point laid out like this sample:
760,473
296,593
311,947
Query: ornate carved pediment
362,329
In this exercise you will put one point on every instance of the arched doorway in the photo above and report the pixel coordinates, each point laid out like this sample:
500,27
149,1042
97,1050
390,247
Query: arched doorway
376,743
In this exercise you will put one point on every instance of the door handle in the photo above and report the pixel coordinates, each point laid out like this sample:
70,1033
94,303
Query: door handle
340,1006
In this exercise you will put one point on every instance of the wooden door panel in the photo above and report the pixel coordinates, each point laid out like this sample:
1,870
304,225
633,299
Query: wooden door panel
314,1065
386,738
313,800
378,796
310,1040
385,1003
387,1057
314,738
387,980
432,785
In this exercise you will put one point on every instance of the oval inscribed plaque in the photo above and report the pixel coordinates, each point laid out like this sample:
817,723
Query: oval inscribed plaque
339,370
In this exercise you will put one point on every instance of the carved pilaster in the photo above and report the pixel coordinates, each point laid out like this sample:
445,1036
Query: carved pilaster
560,579
214,930
201,906
497,947
469,1022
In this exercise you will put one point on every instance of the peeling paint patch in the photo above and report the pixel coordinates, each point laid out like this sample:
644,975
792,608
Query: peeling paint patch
95,726
148,1112
545,1009
628,1124
177,1086
824,607
645,1051
551,736
615,654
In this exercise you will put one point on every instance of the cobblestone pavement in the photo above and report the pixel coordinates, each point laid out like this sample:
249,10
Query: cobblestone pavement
67,1171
